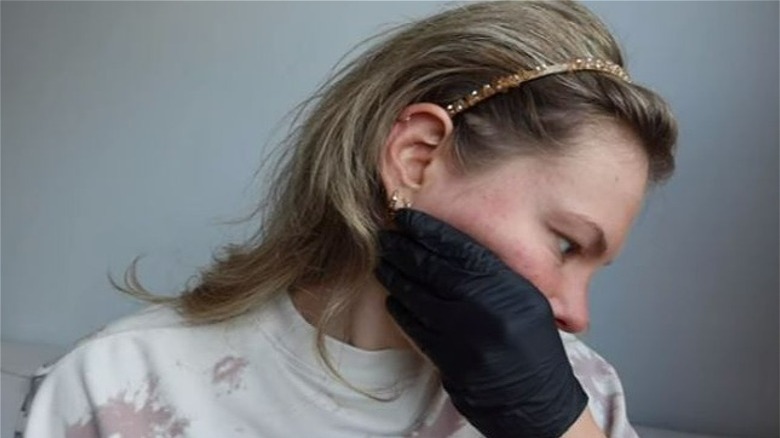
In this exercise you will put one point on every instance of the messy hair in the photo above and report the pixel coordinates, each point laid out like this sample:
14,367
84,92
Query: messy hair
318,225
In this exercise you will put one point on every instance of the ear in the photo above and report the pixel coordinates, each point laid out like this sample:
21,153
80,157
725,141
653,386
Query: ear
414,142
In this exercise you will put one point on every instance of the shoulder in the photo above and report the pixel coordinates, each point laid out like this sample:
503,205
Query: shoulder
153,359
601,382
153,337
143,330
126,346
591,368
64,390
142,323
150,318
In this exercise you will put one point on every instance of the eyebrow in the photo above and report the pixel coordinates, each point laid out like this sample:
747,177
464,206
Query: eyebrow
598,242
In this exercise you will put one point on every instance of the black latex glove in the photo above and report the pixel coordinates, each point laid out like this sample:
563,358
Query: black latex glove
489,331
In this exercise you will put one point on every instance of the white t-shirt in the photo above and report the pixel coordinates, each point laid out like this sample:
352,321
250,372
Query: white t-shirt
259,375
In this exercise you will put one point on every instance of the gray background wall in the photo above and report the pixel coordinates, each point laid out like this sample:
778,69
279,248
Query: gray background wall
134,128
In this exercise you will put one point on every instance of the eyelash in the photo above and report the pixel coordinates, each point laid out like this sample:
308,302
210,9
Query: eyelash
572,246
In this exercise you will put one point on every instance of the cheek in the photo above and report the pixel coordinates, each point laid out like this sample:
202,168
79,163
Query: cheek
463,209
523,249
496,220
533,264
515,242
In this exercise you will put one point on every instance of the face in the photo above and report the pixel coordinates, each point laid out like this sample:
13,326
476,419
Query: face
554,220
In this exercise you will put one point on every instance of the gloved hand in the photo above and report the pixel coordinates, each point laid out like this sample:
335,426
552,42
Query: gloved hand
488,330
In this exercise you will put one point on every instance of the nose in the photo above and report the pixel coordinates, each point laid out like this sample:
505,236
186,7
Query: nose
571,312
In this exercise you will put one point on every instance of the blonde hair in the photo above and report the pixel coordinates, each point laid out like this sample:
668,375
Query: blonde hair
319,224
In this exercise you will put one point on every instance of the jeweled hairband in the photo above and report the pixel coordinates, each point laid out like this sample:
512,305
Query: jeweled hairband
503,84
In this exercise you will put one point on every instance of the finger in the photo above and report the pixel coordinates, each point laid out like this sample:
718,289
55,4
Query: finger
442,238
439,275
419,333
425,306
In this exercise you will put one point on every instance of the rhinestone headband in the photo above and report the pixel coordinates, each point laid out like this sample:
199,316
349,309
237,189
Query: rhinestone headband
503,84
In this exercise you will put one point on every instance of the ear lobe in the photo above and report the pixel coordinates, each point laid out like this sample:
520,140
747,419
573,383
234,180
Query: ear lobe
414,142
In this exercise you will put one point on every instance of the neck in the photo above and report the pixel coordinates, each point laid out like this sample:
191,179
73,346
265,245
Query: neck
365,325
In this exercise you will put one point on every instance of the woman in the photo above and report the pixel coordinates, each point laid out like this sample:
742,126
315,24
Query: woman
441,209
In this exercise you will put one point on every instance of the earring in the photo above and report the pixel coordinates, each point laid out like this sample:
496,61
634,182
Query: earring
395,199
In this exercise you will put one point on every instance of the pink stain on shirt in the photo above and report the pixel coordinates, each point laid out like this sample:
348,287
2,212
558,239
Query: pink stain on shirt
447,423
122,416
228,372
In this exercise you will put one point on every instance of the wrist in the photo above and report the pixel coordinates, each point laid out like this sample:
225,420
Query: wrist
532,418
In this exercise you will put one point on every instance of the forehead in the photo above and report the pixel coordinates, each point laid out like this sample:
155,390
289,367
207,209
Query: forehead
600,175
603,176
603,156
